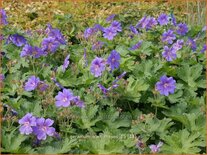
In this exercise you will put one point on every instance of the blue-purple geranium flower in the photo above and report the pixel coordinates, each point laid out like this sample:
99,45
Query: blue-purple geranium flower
64,98
113,60
110,18
168,36
136,46
42,86
182,29
56,33
50,44
97,45
203,49
169,53
163,19
32,83
146,23
115,25
166,85
192,43
43,128
17,40
3,19
66,63
178,44
27,122
133,29
155,148
26,51
97,66
109,33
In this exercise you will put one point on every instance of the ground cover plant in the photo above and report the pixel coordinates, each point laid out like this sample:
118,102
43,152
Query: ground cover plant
127,83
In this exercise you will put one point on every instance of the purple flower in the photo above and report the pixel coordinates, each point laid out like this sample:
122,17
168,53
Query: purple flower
113,60
64,98
76,100
103,89
119,77
26,51
66,63
182,29
97,27
173,20
155,148
203,49
88,32
136,46
55,33
97,46
115,25
27,122
110,18
109,33
43,128
168,36
169,53
37,52
32,83
3,19
166,85
42,86
57,83
192,43
133,29
163,19
178,45
2,77
50,44
97,66
17,40
147,23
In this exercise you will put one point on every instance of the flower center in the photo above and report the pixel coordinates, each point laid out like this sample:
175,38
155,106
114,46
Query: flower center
165,85
64,99
26,123
44,128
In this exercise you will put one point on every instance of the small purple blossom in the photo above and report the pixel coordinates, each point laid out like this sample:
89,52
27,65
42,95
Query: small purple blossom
17,40
166,85
115,25
57,83
64,98
169,53
66,63
50,44
119,77
110,18
97,46
103,89
155,148
76,101
88,32
27,122
146,23
43,128
163,19
192,43
182,29
133,29
97,66
55,33
32,83
37,52
178,45
26,51
2,77
173,20
203,49
113,60
3,19
168,36
97,27
136,46
109,33
42,86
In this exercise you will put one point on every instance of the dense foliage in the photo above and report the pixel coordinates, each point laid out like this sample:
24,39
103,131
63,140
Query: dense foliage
125,84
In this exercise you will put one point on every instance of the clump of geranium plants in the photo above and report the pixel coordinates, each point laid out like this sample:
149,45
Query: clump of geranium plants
136,87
